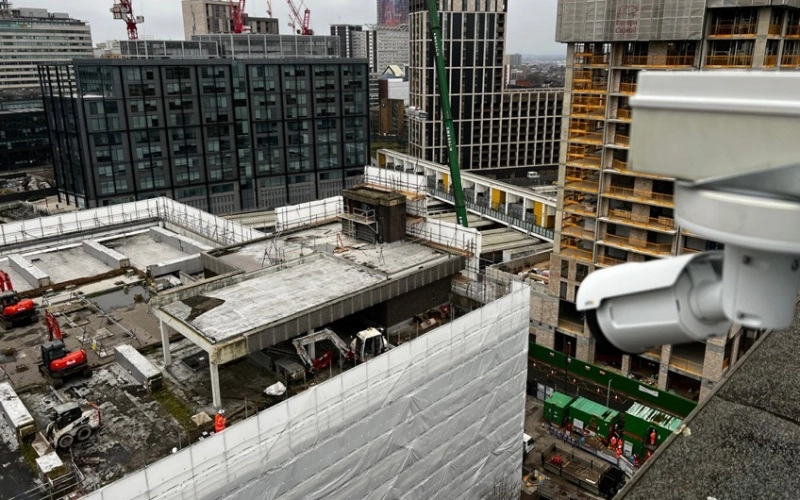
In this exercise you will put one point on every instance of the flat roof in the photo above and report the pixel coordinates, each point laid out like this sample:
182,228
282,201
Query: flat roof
592,408
67,264
143,250
559,399
229,312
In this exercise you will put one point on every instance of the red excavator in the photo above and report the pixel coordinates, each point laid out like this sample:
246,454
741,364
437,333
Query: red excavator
15,311
58,363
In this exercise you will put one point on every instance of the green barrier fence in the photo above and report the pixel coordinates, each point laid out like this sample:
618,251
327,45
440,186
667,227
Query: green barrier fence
672,403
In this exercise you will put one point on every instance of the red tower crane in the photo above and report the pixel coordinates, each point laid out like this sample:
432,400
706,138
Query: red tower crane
124,10
304,22
237,15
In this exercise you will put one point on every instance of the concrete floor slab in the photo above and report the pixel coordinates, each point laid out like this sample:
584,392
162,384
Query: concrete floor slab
144,251
67,264
261,301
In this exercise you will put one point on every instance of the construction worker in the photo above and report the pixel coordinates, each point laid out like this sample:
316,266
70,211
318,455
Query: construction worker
220,421
653,436
613,442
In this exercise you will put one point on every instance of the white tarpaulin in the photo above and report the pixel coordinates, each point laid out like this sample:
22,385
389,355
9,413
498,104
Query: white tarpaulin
438,417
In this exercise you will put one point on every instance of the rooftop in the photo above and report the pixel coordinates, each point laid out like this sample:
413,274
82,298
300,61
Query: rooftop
744,440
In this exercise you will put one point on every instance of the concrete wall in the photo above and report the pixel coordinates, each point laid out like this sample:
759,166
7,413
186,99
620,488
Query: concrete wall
178,241
438,417
107,256
33,275
191,264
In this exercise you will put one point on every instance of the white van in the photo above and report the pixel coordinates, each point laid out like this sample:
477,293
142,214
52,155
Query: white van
527,444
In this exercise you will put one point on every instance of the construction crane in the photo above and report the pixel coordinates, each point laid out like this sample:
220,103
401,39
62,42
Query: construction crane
237,15
269,9
447,114
124,10
304,22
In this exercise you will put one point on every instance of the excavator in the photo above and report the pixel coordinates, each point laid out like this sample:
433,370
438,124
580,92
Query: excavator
15,311
58,363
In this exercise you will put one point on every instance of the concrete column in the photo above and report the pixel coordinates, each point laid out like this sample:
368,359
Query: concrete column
663,367
165,343
626,364
312,349
585,349
215,394
762,31
735,348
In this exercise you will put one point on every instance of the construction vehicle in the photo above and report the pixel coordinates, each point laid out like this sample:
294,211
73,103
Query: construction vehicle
367,344
72,421
58,363
447,114
600,478
15,311
318,363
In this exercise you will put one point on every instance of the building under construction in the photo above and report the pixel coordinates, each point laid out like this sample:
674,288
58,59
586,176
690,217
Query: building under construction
204,17
608,213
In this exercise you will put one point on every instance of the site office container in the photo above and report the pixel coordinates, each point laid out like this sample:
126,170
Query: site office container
555,408
589,416
641,419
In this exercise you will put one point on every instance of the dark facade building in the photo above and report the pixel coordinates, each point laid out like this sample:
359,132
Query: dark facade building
220,135
24,140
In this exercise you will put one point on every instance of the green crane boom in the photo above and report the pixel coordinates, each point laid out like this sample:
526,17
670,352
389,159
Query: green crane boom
449,126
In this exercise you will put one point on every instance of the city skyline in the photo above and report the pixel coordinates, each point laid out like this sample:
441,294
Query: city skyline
163,20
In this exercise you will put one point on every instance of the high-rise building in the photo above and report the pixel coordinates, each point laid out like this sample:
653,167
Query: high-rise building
220,135
347,34
392,12
204,17
500,132
29,37
609,213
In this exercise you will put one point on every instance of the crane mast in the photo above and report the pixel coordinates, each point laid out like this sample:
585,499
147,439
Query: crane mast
304,22
124,10
447,113
237,15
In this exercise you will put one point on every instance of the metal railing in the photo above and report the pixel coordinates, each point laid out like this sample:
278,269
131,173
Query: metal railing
775,29
521,224
793,31
577,231
742,60
580,208
627,87
640,60
580,160
622,140
605,260
792,60
585,136
733,29
627,217
624,114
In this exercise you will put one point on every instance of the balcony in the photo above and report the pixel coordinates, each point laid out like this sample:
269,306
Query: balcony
589,87
585,137
625,217
571,250
790,61
583,160
729,61
637,245
570,325
730,30
580,208
638,60
622,140
577,231
577,180
624,114
648,197
627,88
792,31
605,261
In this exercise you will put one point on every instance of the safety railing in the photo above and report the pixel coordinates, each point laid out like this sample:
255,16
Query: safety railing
571,250
579,208
605,260
792,31
624,114
627,87
627,217
586,161
770,61
634,60
588,87
570,326
585,136
775,29
638,244
577,232
686,365
742,60
790,60
733,29
646,197
622,140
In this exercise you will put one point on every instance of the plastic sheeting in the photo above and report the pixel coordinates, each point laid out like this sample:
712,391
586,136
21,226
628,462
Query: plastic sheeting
440,416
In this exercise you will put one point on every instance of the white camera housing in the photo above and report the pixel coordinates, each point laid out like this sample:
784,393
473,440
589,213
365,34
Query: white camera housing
738,184
637,306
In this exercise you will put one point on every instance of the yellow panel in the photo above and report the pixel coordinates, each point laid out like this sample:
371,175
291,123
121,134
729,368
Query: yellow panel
381,160
498,197
446,181
537,210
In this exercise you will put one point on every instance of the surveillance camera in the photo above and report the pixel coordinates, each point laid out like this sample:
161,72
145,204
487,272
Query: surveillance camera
637,306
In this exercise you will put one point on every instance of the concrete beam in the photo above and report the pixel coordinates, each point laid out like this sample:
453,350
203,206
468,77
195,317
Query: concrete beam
107,256
138,366
178,241
32,274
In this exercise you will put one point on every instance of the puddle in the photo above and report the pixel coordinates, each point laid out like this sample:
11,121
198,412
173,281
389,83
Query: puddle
124,297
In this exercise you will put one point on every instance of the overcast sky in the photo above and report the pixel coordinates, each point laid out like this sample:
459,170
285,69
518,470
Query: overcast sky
531,22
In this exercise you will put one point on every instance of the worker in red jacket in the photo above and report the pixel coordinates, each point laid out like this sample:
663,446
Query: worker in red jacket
653,437
220,421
